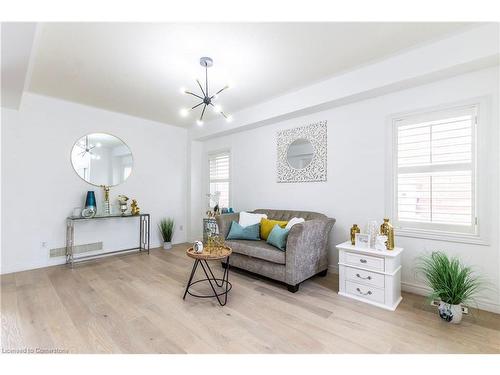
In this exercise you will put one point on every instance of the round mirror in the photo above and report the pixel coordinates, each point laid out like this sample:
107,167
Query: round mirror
300,153
102,159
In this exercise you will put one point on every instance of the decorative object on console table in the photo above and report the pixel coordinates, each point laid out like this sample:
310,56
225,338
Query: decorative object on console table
451,282
354,229
167,231
122,200
369,275
90,205
134,208
107,209
386,229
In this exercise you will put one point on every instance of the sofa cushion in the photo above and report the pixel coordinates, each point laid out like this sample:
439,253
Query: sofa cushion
238,232
257,249
249,218
266,226
287,215
277,237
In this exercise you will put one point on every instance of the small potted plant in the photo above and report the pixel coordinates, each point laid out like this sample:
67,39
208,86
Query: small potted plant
451,282
167,230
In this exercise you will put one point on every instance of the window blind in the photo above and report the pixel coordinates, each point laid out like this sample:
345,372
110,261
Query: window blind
435,174
219,177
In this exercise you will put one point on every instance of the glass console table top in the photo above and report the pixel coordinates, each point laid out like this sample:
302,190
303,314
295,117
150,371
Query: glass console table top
104,216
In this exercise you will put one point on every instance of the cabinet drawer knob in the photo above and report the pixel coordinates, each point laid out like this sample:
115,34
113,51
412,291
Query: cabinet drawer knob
364,278
364,294
362,260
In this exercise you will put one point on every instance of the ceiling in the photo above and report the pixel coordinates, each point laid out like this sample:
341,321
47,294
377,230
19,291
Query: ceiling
139,68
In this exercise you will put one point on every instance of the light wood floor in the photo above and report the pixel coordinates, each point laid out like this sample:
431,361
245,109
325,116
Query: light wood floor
133,304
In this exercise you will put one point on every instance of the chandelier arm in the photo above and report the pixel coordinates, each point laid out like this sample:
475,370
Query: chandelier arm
197,105
203,112
199,84
191,93
218,92
223,114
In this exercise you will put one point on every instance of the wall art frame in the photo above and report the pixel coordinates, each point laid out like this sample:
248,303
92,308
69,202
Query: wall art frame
315,133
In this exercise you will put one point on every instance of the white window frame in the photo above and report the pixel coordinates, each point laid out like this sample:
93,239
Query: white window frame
481,191
215,153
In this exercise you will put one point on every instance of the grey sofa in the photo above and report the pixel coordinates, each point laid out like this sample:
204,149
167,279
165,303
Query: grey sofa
306,248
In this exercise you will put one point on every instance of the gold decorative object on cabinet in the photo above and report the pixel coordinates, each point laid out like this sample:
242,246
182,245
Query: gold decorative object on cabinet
354,229
134,208
386,229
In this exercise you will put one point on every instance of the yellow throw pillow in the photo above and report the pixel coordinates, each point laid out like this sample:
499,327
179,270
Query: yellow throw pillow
266,226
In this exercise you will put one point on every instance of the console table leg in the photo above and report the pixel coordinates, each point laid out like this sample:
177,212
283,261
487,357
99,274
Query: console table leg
70,240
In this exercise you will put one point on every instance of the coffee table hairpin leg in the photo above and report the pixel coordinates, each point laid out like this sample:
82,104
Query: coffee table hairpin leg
210,277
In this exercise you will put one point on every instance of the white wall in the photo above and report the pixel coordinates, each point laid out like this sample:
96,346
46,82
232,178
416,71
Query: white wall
357,171
40,187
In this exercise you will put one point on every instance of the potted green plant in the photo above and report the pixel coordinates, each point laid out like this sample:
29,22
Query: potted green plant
451,282
166,227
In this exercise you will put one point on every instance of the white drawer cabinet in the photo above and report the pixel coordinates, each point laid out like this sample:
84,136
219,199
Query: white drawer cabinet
369,275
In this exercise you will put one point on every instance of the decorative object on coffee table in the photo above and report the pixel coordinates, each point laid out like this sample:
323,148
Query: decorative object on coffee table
167,231
209,228
220,286
451,282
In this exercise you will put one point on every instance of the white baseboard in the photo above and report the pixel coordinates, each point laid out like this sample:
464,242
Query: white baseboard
333,268
422,290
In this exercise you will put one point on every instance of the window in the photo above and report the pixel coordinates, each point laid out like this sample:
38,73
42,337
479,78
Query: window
219,177
434,171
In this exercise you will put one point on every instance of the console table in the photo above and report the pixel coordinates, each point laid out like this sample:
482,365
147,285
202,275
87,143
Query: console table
144,229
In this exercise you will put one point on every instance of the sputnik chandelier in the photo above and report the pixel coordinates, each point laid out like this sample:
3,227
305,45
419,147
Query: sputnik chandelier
206,100
87,148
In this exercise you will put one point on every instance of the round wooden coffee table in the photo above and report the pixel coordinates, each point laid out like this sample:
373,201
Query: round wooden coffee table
222,285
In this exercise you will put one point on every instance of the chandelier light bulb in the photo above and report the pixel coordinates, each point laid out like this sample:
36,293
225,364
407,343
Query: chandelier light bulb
199,122
229,118
98,144
183,112
98,157
182,90
217,108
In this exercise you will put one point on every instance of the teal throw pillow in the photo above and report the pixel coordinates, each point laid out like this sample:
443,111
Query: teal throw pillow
237,232
278,237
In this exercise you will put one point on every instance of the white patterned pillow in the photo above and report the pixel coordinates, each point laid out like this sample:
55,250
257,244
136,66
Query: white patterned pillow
247,218
293,221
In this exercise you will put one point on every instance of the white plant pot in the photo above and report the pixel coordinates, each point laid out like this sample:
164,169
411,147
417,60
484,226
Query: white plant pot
450,313
167,245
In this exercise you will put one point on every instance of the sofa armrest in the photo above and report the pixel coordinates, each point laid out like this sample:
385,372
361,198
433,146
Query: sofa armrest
306,249
224,223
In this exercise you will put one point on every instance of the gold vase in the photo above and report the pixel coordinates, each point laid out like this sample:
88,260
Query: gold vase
354,229
386,229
